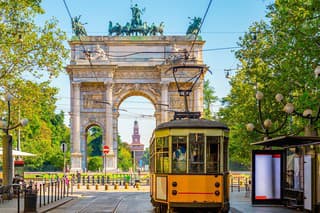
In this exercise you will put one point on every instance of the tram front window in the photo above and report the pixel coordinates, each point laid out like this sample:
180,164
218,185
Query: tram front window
162,155
212,154
179,155
196,153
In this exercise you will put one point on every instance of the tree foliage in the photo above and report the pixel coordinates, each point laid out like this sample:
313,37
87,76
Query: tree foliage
94,148
277,56
94,141
124,156
146,157
208,99
45,130
28,49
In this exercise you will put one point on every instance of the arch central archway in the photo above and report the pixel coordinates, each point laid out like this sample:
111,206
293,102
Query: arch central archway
130,68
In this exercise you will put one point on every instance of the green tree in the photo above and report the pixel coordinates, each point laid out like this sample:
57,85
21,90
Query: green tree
45,130
94,148
275,56
124,156
208,99
95,163
94,141
28,49
146,157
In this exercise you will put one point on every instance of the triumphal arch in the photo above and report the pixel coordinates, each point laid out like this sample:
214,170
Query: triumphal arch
105,70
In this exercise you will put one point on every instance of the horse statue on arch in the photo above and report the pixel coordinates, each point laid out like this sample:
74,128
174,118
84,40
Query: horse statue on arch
154,29
114,29
78,27
126,29
194,26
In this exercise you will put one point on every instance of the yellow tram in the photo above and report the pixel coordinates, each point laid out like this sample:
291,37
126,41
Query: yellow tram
189,166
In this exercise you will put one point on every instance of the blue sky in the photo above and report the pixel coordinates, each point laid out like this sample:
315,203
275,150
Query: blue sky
225,22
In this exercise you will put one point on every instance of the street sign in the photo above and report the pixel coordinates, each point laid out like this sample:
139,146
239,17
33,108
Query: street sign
105,149
64,147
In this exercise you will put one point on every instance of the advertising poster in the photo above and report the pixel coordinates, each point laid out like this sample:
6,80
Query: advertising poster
266,176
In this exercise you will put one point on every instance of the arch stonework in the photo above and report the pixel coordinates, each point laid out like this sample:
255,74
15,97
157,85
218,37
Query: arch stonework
129,67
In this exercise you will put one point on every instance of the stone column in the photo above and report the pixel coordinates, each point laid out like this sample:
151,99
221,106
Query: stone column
164,101
198,97
157,115
115,136
75,127
110,162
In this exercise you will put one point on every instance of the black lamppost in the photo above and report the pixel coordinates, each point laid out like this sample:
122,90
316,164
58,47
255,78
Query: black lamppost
265,124
7,144
309,129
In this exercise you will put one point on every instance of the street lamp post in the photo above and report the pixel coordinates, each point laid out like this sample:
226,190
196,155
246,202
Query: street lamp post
265,123
309,129
7,144
289,109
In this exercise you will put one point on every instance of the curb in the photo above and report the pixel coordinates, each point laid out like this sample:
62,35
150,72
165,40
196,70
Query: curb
54,205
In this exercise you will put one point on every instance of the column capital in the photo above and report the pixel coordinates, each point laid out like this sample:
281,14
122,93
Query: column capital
115,114
164,83
109,84
76,83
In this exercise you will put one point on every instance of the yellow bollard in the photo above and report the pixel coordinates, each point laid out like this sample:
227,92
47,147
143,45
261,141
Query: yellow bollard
137,185
106,187
78,186
88,186
126,186
97,186
116,186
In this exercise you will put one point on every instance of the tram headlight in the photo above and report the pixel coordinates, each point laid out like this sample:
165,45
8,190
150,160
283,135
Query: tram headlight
174,184
174,192
217,193
217,184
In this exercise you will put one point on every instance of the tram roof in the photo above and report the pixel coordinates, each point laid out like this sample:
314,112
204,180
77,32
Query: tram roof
192,123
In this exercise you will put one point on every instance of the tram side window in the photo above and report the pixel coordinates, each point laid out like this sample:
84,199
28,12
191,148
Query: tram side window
196,153
162,155
225,154
212,154
179,155
152,157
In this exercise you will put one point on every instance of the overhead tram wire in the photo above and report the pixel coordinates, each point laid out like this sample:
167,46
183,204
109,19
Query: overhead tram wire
187,53
82,45
202,21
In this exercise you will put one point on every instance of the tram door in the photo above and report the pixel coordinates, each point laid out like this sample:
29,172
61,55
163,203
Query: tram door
307,183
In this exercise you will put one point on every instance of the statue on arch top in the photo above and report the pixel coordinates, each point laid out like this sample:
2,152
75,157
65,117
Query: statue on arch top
136,16
194,26
78,27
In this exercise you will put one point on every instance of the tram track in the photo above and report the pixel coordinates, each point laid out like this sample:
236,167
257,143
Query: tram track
116,208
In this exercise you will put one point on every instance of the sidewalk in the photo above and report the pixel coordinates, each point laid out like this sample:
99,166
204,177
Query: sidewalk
239,201
11,206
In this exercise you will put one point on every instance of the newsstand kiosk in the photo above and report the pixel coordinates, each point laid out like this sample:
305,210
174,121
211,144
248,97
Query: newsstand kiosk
287,171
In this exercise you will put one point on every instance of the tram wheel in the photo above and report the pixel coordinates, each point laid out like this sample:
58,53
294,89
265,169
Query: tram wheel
225,209
163,208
